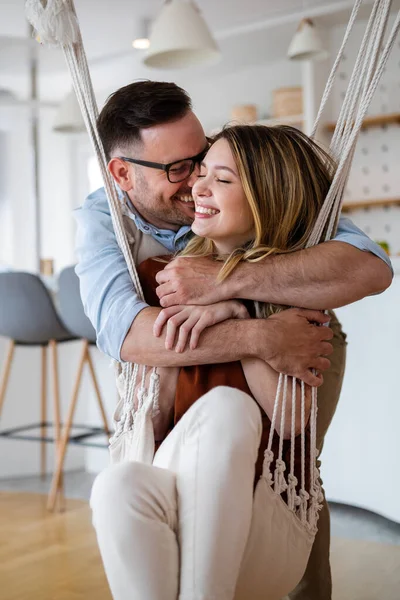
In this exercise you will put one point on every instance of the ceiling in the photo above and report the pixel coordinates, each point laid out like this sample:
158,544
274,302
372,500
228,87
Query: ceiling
248,32
109,18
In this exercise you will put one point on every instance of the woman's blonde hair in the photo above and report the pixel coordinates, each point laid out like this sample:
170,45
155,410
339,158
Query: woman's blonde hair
285,176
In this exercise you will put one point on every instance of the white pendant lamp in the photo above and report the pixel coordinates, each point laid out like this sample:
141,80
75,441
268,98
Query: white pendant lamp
141,37
180,38
69,117
306,43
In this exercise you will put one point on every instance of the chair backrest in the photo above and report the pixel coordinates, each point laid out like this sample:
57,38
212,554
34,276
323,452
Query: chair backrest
71,307
27,313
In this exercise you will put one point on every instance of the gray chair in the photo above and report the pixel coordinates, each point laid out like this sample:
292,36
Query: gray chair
73,316
28,318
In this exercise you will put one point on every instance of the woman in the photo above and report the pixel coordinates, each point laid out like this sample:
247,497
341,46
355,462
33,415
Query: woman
258,193
201,534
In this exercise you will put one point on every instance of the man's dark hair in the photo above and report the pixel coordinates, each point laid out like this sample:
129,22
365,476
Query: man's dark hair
137,106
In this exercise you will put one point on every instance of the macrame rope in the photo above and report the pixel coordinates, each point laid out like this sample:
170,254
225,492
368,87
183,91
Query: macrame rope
56,23
292,479
332,76
279,478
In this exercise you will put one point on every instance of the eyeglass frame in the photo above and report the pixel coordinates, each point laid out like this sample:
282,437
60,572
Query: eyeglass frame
154,165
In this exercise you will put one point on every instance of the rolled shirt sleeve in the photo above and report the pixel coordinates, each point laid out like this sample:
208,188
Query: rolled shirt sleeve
108,294
349,233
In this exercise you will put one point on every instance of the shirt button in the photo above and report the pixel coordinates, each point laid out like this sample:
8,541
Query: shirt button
146,228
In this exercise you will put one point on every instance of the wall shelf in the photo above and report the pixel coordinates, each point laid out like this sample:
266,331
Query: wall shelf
360,204
373,121
293,120
289,120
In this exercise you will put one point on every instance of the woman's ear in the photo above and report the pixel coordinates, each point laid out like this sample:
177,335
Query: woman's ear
122,174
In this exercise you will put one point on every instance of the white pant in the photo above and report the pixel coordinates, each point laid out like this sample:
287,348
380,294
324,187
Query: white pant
179,528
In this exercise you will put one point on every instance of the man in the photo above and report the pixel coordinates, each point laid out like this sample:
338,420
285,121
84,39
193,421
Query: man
148,131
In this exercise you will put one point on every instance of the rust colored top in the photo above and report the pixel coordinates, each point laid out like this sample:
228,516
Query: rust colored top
195,381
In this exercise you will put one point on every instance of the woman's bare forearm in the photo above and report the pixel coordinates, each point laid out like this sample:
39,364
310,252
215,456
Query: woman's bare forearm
224,342
263,382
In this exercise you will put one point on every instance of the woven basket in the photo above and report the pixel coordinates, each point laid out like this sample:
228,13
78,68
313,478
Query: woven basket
244,113
287,101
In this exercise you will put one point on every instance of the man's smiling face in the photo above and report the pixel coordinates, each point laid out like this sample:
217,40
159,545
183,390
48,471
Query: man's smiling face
162,203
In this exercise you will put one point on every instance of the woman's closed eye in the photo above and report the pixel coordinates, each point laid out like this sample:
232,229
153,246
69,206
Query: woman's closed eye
200,176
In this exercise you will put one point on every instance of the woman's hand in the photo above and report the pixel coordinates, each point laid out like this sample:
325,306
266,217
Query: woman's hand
192,320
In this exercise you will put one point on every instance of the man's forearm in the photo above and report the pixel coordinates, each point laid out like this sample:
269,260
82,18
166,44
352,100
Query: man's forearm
288,341
224,342
329,275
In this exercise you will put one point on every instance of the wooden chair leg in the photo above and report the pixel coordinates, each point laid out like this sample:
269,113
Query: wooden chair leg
57,419
62,449
98,395
6,373
43,412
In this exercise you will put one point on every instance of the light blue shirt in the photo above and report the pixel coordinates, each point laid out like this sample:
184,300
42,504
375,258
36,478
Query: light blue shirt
109,297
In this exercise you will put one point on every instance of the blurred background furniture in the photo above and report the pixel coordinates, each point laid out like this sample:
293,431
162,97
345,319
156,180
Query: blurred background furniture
72,314
28,318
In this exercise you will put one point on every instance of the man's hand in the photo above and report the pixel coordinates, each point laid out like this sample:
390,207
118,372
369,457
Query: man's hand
187,280
297,344
192,320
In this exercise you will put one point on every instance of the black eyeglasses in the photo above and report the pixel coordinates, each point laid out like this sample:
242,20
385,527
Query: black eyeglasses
176,171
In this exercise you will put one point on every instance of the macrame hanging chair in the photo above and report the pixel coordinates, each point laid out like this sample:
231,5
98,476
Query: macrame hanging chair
295,503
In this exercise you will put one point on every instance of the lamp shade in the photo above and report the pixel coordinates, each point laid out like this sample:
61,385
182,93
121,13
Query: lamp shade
69,117
180,38
306,43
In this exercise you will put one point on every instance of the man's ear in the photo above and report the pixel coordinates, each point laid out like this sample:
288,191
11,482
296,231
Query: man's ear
123,175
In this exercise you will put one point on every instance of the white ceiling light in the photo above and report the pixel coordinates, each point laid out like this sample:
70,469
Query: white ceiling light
306,43
69,117
141,39
180,38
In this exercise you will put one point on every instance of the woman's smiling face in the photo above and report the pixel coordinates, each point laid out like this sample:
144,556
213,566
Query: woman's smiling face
222,214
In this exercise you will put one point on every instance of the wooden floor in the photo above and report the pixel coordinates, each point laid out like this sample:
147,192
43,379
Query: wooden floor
47,556
364,570
55,557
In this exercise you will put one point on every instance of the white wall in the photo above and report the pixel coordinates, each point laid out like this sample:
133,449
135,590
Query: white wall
17,227
360,455
214,100
6,238
17,231
57,193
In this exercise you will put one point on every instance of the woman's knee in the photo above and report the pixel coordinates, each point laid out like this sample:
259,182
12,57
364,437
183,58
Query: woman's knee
133,488
116,484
